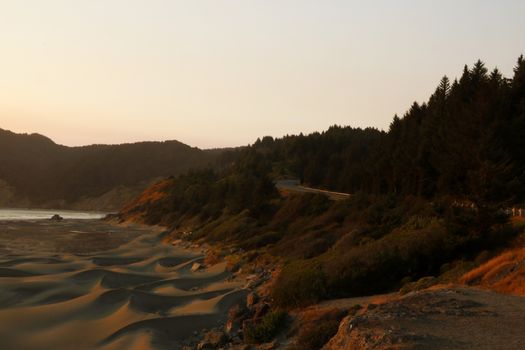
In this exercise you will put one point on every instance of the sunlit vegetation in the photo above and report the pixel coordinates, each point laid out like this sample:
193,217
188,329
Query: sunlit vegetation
426,195
271,324
504,273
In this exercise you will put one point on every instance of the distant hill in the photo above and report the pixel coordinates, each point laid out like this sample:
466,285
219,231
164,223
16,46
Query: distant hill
36,172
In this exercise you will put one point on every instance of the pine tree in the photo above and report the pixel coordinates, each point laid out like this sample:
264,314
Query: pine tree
444,87
479,71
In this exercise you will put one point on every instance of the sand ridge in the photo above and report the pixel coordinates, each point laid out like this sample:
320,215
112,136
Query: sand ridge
60,288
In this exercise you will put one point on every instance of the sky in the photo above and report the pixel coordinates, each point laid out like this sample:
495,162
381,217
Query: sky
218,73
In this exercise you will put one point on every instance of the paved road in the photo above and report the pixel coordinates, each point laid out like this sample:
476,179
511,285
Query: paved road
295,186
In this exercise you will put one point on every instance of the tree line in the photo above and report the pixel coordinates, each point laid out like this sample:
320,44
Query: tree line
466,143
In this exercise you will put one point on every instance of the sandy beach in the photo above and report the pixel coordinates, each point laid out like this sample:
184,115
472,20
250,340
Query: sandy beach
85,284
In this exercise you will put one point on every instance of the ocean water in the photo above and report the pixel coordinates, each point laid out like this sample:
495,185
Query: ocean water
41,214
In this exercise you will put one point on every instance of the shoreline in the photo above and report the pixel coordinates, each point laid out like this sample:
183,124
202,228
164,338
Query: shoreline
456,303
255,281
134,280
207,295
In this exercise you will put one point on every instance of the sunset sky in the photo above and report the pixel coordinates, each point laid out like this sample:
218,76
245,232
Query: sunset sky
215,73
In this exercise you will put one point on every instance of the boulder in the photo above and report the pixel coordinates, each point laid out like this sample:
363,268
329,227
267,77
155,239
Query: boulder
196,267
236,340
241,347
57,217
233,326
269,346
233,267
177,242
251,300
236,315
213,340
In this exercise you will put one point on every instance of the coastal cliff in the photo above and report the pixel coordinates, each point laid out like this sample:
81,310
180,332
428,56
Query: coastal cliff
419,209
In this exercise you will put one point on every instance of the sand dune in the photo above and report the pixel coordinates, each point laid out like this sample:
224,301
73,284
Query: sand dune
85,285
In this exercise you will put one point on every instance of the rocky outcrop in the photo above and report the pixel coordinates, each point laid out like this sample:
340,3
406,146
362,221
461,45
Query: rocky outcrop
455,318
213,340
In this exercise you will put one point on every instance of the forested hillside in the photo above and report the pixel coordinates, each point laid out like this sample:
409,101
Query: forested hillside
37,172
466,142
428,195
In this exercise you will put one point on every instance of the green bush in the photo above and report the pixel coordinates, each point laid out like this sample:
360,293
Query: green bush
300,283
261,240
316,332
269,326
380,265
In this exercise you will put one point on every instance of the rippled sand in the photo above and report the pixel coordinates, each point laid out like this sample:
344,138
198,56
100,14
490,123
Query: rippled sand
86,284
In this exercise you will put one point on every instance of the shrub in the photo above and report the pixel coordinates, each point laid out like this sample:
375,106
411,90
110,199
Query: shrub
261,240
422,283
264,331
299,283
313,337
316,332
452,272
380,265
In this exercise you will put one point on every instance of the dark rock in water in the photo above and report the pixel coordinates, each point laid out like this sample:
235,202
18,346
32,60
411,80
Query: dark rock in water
57,217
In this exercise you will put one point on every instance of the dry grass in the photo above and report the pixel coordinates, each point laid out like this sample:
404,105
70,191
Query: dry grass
504,273
152,194
518,220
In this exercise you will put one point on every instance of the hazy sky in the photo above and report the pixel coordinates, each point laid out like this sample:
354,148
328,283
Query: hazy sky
223,72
